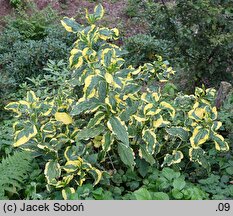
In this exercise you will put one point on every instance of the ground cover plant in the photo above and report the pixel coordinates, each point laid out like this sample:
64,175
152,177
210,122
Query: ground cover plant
98,128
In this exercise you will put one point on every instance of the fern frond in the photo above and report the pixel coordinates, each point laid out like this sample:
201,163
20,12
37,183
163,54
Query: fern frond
13,171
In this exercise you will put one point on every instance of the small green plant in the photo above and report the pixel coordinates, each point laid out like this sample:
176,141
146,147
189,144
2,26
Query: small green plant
6,141
168,184
13,172
218,187
16,3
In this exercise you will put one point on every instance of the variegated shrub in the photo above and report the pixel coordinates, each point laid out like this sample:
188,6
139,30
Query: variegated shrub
122,112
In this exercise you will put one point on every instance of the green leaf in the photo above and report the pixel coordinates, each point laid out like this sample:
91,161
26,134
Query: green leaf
126,154
119,129
194,193
143,167
177,194
179,183
180,132
142,194
52,172
88,133
229,170
170,174
160,196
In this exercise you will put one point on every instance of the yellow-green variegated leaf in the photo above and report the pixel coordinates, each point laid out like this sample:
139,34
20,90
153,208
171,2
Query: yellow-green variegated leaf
199,91
90,84
13,106
67,193
118,128
198,155
52,172
126,154
197,114
64,182
150,139
182,133
48,128
76,59
111,102
160,122
99,12
107,141
220,143
97,174
173,158
24,135
84,106
31,97
200,136
63,117
72,166
147,108
71,153
210,93
137,71
87,133
139,119
143,153
89,54
169,107
107,57
71,25
216,125
156,96
214,113
105,33
97,119
116,33
109,78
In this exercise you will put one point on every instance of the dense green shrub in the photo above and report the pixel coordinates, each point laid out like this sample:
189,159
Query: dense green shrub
26,44
121,119
199,35
28,41
143,47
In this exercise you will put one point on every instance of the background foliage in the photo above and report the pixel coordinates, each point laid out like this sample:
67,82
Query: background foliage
87,120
